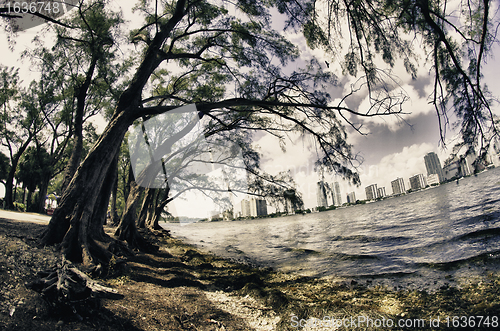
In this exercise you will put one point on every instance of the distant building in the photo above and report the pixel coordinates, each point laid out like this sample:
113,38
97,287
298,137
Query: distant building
381,192
336,195
226,215
433,165
258,207
253,207
321,194
245,208
494,153
456,168
467,165
398,186
417,182
371,192
432,179
351,198
451,170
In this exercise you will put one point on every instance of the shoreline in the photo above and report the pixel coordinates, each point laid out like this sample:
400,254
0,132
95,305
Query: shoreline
181,287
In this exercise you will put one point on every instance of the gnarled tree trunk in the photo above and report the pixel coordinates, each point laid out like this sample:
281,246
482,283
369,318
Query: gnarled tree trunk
153,217
127,229
114,191
76,155
71,224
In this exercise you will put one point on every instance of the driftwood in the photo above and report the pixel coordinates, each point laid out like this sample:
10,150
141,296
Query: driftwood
69,290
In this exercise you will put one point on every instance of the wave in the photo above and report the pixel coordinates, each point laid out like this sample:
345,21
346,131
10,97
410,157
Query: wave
368,239
346,256
455,264
483,233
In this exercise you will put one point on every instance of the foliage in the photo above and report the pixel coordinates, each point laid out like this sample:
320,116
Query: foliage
457,38
4,166
34,167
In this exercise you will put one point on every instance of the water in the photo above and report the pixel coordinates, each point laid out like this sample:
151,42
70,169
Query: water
446,234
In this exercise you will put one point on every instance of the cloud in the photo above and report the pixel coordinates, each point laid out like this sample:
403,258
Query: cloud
299,159
414,106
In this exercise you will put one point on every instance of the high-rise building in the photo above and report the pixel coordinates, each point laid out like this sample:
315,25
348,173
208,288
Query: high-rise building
433,165
245,208
258,207
458,167
417,182
433,179
398,186
351,198
336,195
321,195
253,207
381,192
371,192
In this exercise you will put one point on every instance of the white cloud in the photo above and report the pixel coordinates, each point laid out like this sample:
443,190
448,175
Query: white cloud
414,106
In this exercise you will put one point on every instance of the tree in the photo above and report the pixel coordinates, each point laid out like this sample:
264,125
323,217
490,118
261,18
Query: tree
81,62
457,38
43,97
4,167
20,123
174,153
35,169
230,66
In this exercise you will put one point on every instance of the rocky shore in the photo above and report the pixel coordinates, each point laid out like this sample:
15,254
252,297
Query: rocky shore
182,288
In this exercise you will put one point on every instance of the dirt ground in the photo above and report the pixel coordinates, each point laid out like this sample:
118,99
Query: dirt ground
181,288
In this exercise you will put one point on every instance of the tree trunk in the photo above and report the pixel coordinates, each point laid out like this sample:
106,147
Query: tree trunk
76,155
146,206
28,201
71,223
114,191
74,160
100,211
9,182
152,222
42,193
127,229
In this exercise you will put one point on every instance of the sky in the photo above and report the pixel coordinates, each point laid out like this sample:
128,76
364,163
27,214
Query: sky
391,147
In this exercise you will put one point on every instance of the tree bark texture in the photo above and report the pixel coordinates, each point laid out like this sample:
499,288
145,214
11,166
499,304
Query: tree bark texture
76,154
71,223
127,229
9,182
114,191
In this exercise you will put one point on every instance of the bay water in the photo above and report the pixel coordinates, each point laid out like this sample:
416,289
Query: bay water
443,235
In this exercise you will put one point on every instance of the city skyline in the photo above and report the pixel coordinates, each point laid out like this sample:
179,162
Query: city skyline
436,174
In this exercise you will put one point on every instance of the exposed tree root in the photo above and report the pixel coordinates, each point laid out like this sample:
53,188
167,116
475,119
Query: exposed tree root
159,232
70,292
131,235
